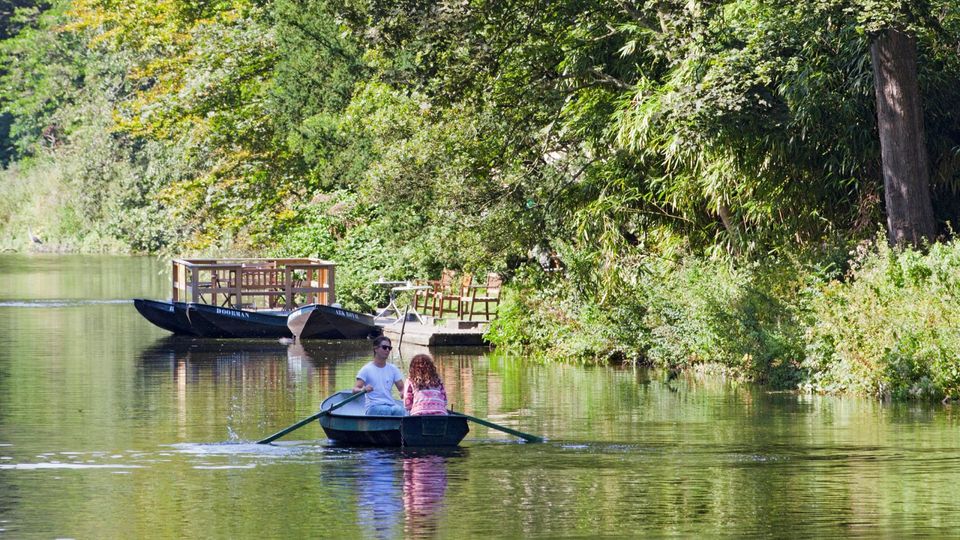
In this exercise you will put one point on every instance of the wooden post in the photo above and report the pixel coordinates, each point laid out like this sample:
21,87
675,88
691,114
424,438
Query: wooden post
288,286
194,285
238,285
331,289
174,275
311,296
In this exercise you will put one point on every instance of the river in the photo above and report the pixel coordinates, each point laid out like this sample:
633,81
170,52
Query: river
109,428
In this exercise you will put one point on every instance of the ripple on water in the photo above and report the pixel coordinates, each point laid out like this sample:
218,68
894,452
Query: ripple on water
57,303
57,465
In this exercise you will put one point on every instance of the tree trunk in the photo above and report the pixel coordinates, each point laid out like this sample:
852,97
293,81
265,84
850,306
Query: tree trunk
903,147
724,212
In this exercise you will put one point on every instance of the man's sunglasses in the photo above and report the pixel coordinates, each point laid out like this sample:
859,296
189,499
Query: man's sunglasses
386,347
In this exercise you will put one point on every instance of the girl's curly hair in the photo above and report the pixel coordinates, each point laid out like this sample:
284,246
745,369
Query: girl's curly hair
423,374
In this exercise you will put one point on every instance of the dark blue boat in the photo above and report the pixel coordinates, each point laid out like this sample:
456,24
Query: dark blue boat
175,317
318,321
171,316
348,425
204,320
252,298
240,323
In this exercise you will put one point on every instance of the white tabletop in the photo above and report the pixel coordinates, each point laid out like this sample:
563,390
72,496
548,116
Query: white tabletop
391,284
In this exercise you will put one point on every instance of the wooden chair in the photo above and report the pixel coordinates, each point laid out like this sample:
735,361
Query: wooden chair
221,286
422,298
440,287
454,295
489,297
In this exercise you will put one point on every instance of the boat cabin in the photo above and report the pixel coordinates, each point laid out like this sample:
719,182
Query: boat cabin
254,284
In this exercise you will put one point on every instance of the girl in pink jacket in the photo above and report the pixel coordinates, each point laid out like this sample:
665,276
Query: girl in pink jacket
423,392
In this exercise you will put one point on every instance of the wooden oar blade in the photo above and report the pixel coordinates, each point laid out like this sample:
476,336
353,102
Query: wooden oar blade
306,421
298,425
525,436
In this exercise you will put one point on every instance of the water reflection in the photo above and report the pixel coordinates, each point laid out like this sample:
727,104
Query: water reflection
424,489
400,492
379,506
264,385
221,357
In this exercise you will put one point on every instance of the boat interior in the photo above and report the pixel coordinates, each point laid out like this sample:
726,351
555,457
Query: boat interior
354,408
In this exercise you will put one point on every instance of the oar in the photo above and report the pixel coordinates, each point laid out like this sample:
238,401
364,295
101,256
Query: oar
306,421
525,436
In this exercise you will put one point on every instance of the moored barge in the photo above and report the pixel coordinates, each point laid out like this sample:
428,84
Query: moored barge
253,298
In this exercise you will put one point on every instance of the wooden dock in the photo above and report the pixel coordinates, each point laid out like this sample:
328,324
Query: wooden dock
453,333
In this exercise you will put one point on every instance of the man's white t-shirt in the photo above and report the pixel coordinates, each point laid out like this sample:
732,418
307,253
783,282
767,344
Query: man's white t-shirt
382,379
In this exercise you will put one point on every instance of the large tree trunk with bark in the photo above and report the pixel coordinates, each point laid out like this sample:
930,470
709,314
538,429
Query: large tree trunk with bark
906,178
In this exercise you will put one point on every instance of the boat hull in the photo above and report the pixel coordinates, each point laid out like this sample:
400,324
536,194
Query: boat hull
317,321
348,425
171,316
241,323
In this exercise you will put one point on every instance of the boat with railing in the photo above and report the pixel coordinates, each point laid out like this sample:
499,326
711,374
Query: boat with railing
254,298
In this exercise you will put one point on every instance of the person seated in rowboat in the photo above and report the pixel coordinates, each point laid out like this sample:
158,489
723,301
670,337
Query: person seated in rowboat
423,394
377,379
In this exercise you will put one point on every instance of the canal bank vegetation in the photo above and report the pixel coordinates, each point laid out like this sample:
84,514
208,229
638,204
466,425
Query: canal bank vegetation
675,184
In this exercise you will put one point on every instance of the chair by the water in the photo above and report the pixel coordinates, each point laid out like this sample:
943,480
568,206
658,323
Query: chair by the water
489,298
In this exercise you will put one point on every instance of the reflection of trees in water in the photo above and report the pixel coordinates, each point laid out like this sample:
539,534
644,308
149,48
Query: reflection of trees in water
245,381
456,367
232,359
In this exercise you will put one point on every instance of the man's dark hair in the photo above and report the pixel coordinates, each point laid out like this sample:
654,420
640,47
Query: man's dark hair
380,339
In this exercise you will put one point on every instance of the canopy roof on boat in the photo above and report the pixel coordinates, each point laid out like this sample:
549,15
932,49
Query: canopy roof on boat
254,283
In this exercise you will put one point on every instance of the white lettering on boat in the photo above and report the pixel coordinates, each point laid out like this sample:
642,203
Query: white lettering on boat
346,314
233,313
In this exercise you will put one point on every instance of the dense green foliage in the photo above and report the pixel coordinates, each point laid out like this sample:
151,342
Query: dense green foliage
675,183
891,329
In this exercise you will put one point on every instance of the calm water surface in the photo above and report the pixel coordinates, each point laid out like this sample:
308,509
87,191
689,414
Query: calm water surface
109,428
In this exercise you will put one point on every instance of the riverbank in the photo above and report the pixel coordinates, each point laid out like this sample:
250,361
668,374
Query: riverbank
872,321
881,324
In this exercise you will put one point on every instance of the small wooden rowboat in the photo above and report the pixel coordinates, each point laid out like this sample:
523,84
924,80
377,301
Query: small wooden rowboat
349,425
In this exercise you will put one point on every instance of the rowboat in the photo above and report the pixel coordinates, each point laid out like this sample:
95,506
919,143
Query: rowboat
349,425
253,298
318,321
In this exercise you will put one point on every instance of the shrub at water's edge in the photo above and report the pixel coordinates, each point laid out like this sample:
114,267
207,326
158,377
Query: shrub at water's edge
888,328
642,209
699,312
891,329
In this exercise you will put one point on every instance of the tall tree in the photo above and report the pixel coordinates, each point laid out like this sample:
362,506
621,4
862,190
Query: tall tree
903,147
